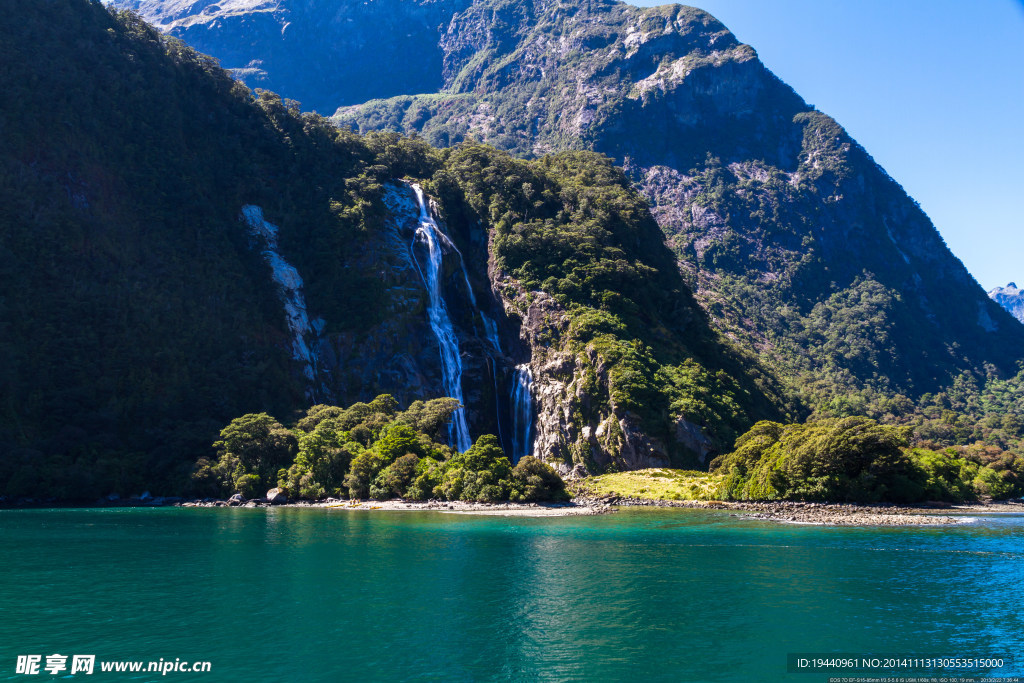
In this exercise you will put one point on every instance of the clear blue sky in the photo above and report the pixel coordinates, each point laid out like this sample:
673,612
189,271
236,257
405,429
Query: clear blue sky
933,89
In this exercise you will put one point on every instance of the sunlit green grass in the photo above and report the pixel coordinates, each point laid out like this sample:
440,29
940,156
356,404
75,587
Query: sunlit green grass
656,484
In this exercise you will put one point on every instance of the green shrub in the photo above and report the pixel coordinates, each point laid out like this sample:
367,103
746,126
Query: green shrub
251,450
849,459
395,479
482,473
363,471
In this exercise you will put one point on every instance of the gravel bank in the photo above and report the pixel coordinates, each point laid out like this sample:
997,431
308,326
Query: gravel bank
833,514
571,509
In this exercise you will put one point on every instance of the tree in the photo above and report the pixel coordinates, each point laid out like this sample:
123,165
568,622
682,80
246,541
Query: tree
535,480
395,479
482,473
322,461
430,417
852,458
251,450
364,469
396,440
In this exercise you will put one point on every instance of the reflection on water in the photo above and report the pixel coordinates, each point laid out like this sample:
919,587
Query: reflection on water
315,594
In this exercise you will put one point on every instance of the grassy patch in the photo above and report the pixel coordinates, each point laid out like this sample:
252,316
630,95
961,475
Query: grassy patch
657,484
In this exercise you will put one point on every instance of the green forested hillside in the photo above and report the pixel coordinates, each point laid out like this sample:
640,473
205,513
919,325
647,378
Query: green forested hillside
795,241
569,225
139,318
133,314
798,245
857,459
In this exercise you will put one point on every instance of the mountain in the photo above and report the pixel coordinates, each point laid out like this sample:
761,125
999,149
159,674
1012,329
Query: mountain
1010,298
391,45
793,239
798,245
177,251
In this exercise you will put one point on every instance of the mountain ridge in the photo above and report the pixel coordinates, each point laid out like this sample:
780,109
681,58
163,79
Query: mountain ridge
264,34
1011,298
162,220
768,203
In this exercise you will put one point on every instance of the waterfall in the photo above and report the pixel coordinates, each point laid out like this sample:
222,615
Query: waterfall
491,332
429,234
289,286
491,335
522,412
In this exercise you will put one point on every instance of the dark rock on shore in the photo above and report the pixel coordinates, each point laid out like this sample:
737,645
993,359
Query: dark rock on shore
277,496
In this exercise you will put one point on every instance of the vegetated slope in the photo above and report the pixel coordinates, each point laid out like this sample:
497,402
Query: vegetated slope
794,240
627,371
137,316
140,314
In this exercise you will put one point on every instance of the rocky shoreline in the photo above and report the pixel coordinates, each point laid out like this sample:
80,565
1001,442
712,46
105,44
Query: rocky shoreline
507,509
824,514
829,514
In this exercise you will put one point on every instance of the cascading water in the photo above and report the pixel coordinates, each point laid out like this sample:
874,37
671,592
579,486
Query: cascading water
490,327
491,334
289,285
431,236
434,238
522,412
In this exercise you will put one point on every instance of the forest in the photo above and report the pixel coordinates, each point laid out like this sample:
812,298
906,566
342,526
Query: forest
369,450
138,320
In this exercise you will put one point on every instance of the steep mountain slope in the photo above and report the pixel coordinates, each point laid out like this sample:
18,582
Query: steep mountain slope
797,244
1011,298
134,315
391,45
793,238
176,251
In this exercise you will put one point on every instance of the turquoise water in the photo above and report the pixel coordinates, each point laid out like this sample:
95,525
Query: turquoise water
295,594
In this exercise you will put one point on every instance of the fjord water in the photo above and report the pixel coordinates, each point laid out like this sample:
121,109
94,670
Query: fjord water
642,595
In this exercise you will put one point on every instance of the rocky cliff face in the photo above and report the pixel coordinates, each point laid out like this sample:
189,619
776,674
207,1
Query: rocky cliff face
401,354
363,50
398,350
576,425
570,415
795,242
1011,298
793,239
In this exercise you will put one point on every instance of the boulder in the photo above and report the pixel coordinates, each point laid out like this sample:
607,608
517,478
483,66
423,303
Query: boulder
277,496
577,473
237,499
